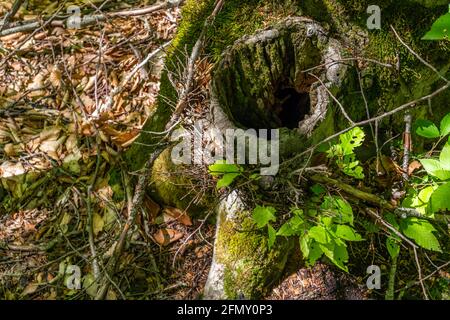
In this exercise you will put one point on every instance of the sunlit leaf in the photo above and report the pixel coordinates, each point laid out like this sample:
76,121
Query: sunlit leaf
427,129
421,231
263,215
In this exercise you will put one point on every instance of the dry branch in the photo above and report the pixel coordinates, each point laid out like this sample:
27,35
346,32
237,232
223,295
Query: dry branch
90,20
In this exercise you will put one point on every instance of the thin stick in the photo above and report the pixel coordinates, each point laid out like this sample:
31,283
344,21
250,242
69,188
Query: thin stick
335,99
10,15
406,146
418,56
136,206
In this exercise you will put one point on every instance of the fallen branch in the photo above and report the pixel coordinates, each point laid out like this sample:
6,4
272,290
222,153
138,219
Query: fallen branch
135,207
377,201
90,20
367,197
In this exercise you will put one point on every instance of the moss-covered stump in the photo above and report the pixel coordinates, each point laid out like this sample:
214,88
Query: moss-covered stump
261,81
243,265
170,186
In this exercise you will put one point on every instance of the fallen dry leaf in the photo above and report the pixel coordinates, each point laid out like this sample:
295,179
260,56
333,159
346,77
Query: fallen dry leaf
166,236
152,208
171,214
413,166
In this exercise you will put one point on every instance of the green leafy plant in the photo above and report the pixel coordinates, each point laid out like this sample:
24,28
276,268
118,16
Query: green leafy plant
344,153
428,129
319,234
435,197
421,231
262,217
440,29
229,173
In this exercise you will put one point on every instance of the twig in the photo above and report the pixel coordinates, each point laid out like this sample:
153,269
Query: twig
136,206
390,227
406,146
419,57
335,99
10,15
90,227
119,89
419,270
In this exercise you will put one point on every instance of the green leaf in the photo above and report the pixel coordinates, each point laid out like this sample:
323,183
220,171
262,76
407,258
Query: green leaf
315,252
304,246
297,212
226,180
440,29
440,199
220,167
393,247
433,167
421,231
427,129
336,253
351,139
347,233
444,157
263,215
319,234
272,235
445,125
317,189
339,208
419,201
293,226
392,220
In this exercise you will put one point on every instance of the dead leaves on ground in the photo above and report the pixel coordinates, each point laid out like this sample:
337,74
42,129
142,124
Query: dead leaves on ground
177,222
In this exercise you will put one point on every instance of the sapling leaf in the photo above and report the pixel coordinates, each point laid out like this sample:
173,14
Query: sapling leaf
427,129
263,215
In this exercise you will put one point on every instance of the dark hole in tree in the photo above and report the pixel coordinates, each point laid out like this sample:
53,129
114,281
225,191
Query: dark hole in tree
291,106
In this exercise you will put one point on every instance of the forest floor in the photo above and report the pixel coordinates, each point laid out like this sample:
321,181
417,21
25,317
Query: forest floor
56,150
72,101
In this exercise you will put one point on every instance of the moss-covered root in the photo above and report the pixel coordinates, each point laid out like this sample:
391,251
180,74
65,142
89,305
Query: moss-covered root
169,186
243,265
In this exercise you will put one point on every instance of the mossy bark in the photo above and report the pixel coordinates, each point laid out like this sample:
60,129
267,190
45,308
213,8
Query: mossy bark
169,186
243,265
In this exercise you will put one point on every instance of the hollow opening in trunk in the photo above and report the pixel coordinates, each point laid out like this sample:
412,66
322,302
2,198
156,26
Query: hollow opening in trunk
291,107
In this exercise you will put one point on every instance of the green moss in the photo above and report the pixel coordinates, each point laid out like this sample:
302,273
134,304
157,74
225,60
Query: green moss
250,267
171,187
